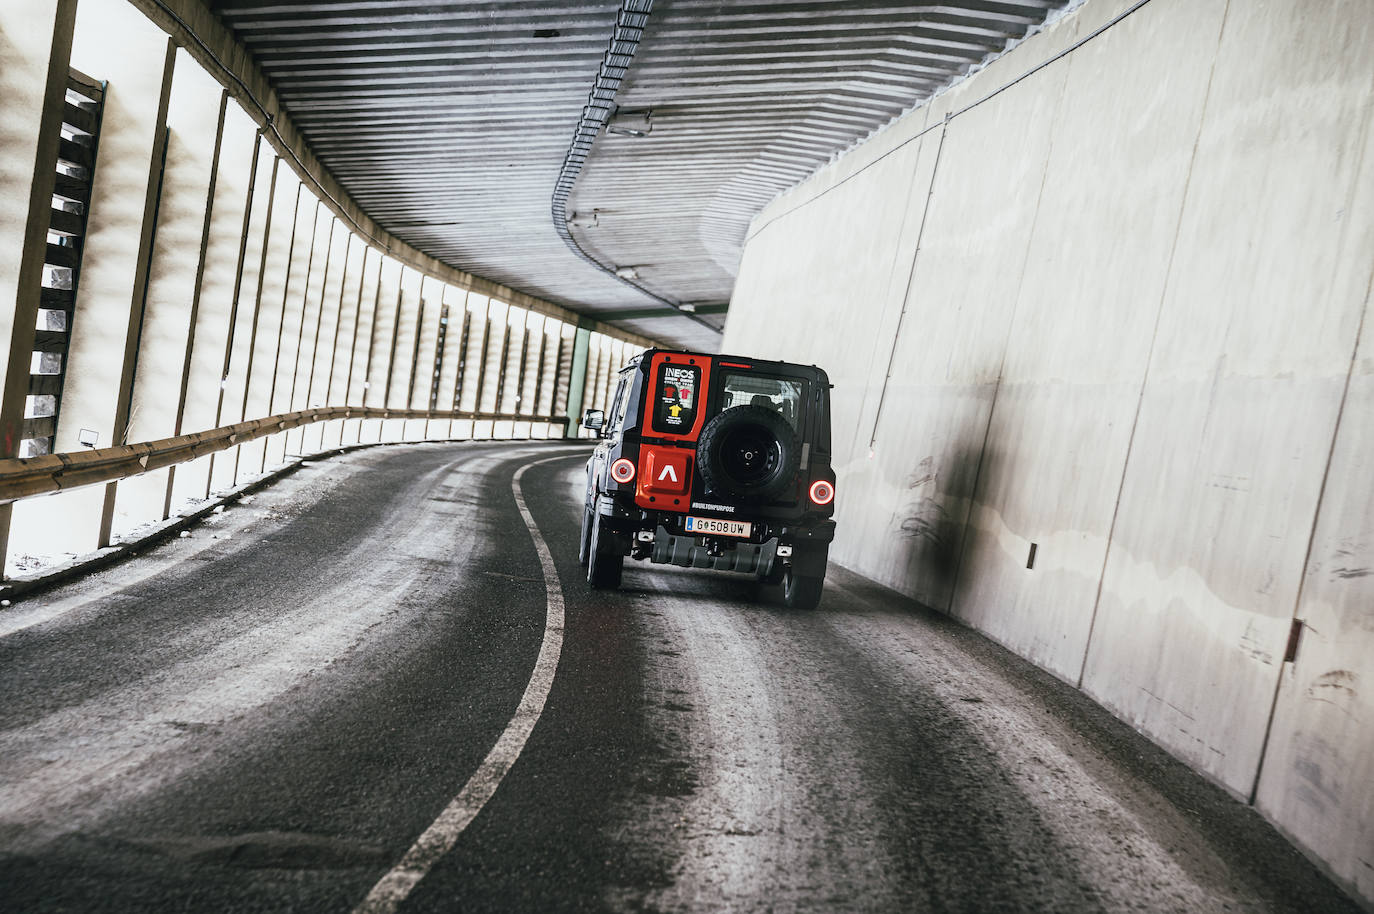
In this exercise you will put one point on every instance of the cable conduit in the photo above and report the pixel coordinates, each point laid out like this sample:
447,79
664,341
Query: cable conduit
630,23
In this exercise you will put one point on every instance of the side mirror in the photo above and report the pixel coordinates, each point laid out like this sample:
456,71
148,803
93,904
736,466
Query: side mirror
595,420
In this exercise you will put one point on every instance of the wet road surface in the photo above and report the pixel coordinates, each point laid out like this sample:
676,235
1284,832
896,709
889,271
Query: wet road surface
264,716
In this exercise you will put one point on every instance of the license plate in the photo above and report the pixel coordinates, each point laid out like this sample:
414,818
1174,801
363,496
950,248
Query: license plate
717,527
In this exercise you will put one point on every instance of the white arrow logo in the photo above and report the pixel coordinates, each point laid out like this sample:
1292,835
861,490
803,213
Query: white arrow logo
668,473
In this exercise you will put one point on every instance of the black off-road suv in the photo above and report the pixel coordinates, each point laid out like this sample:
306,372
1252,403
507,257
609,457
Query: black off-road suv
713,461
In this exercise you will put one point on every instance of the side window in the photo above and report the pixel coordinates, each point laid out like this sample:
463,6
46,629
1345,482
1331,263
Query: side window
675,398
618,405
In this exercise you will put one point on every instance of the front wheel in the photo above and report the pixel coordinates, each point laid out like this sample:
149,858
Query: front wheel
605,559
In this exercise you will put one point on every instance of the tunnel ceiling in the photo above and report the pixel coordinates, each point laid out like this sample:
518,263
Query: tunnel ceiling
449,123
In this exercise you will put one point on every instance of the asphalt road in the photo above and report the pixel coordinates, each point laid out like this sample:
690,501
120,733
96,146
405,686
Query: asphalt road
267,714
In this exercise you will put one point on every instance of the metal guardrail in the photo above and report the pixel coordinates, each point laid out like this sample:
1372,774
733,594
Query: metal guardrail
22,477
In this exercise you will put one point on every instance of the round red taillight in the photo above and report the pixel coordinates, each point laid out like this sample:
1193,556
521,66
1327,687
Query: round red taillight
623,470
822,492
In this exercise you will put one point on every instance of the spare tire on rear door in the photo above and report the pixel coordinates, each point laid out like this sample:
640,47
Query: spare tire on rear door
748,452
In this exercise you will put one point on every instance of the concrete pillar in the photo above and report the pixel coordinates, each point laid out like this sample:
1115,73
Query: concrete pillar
195,118
35,46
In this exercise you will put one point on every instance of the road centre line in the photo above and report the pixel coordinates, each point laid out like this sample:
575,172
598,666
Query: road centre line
437,840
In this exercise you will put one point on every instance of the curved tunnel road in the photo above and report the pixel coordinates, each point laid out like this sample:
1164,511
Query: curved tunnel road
264,716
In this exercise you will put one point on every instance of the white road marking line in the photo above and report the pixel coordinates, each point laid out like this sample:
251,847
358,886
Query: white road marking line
437,840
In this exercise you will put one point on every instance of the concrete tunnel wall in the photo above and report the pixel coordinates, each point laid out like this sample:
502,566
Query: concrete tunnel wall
224,277
1115,316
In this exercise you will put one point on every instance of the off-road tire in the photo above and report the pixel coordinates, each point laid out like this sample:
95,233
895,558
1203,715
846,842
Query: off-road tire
605,560
748,452
802,591
584,541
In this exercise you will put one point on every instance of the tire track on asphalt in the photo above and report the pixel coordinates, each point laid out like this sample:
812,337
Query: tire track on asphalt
437,840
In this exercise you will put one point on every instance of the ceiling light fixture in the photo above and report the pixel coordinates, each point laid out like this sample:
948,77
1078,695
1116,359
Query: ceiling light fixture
638,122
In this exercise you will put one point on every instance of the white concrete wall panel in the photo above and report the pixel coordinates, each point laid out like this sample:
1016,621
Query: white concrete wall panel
847,270
455,299
403,348
294,301
534,327
170,306
1085,311
510,386
1244,385
1320,763
114,260
26,41
307,337
363,336
313,315
478,328
245,305
945,362
495,343
1141,276
261,367
324,346
384,321
114,253
432,294
346,329
215,314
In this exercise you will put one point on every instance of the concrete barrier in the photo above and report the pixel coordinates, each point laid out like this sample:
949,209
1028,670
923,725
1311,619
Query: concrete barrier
1093,316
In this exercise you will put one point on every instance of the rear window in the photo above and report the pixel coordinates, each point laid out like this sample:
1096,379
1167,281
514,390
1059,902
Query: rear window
782,395
675,398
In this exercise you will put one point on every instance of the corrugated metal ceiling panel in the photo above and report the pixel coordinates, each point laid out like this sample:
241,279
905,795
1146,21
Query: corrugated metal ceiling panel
448,123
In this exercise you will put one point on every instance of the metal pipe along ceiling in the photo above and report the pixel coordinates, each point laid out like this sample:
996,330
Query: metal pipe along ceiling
629,29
